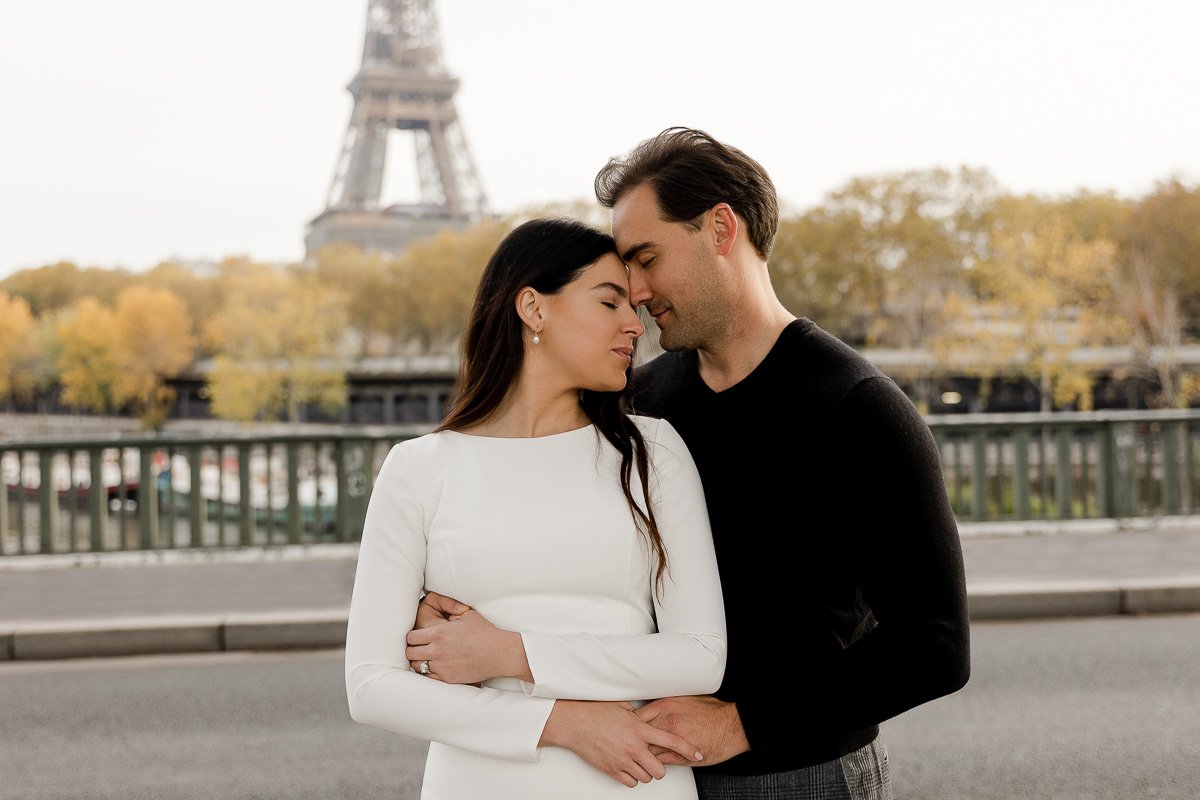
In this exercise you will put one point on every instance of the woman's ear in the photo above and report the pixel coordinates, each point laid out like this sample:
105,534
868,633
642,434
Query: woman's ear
529,308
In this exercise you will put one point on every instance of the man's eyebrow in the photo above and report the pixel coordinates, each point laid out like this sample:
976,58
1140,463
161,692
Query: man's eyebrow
615,287
632,251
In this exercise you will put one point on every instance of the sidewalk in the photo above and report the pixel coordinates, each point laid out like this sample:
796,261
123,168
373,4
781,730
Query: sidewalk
133,603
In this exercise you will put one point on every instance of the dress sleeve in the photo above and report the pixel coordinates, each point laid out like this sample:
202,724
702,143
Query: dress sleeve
687,654
381,687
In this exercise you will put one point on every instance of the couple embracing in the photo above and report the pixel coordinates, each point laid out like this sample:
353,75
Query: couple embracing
710,576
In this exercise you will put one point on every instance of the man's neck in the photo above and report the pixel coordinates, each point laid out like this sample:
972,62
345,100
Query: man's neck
744,346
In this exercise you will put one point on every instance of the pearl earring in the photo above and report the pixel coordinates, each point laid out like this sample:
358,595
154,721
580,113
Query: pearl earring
537,338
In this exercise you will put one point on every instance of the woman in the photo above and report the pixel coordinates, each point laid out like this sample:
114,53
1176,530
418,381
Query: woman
529,503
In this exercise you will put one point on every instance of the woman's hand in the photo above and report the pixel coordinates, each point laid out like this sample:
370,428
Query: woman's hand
611,738
468,649
434,609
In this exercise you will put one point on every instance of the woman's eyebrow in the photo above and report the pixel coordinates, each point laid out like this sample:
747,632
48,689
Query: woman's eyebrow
616,287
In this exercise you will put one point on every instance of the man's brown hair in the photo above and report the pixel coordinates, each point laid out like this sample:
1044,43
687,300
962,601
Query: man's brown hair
690,173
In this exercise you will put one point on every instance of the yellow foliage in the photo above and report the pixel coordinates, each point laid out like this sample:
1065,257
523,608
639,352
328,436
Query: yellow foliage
439,277
18,347
1189,389
1049,294
245,391
87,361
277,335
154,342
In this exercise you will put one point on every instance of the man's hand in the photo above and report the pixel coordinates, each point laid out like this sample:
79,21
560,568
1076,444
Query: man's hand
434,609
610,738
712,724
468,649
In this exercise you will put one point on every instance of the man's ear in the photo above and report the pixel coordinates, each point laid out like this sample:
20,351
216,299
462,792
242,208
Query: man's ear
725,227
529,308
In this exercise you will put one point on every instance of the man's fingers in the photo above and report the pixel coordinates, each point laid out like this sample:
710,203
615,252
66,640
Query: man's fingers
446,606
670,758
670,742
648,711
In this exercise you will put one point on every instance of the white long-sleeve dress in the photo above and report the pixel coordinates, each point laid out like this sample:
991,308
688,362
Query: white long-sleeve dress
536,534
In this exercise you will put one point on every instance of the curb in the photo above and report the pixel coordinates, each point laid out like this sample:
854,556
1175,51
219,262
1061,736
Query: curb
999,601
1077,527
35,641
326,628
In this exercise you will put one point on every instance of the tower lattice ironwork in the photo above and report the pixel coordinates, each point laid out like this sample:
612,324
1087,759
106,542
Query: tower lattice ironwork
402,85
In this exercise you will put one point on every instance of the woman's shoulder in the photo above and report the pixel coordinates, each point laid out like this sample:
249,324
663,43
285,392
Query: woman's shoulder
658,431
419,450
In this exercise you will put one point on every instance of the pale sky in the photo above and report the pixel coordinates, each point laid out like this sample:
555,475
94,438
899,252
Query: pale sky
134,131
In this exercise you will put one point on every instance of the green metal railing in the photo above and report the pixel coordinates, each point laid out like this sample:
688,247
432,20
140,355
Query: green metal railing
1061,466
163,493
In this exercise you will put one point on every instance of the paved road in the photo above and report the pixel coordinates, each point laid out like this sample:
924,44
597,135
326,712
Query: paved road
233,726
1090,709
1103,709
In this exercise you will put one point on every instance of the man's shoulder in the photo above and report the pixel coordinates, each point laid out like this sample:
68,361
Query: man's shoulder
821,349
660,382
663,368
821,365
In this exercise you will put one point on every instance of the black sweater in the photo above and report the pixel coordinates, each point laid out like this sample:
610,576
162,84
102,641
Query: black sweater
840,559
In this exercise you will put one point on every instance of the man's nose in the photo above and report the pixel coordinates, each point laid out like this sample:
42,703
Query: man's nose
639,288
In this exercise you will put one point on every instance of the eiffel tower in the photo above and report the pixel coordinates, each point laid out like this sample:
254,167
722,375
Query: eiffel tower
402,85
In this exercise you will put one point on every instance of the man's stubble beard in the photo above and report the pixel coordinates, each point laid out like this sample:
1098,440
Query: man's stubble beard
704,324
706,314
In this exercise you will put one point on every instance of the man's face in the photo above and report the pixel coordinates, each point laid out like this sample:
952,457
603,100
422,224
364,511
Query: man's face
673,272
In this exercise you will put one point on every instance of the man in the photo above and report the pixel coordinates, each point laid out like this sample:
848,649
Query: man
833,532
840,561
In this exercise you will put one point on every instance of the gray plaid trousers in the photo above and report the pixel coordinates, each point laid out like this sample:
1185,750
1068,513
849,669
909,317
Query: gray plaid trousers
861,775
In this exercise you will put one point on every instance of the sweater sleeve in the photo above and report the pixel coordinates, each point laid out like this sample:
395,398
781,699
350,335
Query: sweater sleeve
904,541
687,654
381,687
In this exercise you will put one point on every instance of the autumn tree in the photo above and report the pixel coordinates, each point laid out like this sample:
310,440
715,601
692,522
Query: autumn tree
43,374
200,293
19,351
62,284
154,343
1047,296
88,365
371,301
1158,284
277,336
880,259
436,279
823,267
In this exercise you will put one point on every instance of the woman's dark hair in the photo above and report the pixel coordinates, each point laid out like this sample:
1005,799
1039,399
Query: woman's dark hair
691,172
545,255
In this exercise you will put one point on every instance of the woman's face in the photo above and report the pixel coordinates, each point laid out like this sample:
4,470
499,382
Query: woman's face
588,328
